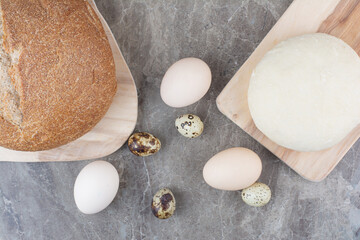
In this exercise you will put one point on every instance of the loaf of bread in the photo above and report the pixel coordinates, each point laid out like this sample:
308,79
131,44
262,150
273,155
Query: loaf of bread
57,72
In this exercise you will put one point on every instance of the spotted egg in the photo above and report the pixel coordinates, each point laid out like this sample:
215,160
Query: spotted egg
163,204
143,144
189,125
256,195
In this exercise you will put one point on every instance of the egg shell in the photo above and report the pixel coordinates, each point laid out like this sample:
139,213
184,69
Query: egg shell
163,204
143,144
257,195
232,169
96,187
185,82
189,125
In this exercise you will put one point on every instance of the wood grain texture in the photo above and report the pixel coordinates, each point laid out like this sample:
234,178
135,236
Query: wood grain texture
109,134
339,18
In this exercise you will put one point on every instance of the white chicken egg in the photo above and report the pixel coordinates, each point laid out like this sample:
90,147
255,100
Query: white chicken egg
96,187
232,169
189,125
185,82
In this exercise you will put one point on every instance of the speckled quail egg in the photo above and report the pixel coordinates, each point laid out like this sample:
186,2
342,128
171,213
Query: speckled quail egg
256,195
163,204
189,125
143,144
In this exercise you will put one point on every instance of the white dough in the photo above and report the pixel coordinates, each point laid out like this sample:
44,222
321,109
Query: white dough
305,93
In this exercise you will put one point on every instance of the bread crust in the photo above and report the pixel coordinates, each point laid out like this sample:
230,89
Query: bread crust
64,75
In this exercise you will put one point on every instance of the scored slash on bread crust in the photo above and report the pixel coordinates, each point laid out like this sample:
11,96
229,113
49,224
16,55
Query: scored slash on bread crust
61,69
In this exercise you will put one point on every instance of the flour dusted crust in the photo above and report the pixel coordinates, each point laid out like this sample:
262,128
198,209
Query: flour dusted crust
62,69
305,93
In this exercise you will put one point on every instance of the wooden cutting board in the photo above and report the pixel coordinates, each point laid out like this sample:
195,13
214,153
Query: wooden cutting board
109,134
340,18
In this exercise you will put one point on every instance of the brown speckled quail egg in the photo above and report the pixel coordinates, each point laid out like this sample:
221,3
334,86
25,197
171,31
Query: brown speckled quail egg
256,195
189,125
163,204
143,144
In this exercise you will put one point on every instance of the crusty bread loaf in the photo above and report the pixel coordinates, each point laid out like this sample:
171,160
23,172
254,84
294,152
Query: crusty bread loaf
57,73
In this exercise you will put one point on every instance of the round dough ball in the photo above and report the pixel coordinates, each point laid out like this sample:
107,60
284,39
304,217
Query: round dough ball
305,93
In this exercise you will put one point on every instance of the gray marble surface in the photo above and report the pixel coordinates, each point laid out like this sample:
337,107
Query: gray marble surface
36,199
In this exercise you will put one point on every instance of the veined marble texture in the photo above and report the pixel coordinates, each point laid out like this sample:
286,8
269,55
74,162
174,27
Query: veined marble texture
36,199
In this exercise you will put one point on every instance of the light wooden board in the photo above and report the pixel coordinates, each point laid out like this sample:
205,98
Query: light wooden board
340,18
109,134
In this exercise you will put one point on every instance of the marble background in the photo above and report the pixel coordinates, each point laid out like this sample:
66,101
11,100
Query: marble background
36,199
